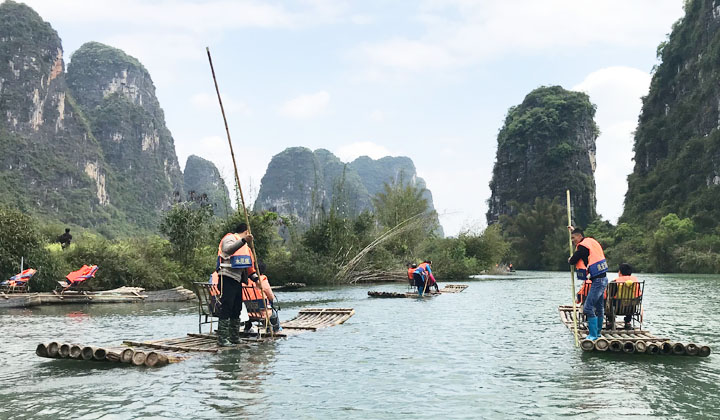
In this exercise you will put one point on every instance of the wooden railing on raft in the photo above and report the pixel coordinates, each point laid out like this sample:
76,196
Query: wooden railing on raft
156,353
631,341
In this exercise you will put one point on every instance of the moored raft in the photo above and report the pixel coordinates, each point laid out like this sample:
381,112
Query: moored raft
120,295
156,353
450,288
630,341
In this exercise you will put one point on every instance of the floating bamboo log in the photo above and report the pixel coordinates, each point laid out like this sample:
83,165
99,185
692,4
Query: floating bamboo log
666,348
628,347
652,348
616,345
64,351
75,351
678,349
127,355
41,350
704,351
155,359
640,347
691,349
138,358
602,344
53,348
587,345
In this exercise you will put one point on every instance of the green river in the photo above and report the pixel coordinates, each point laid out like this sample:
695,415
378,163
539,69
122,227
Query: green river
497,350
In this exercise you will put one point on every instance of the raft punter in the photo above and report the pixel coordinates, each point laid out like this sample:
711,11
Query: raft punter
423,275
590,264
234,266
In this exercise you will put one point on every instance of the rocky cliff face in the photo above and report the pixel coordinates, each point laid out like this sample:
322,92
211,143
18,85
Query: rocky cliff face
50,163
203,178
303,183
546,146
677,142
117,94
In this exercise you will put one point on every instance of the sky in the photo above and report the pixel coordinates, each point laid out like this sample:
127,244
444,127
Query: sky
428,79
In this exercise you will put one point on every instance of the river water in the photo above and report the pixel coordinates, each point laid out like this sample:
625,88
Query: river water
497,350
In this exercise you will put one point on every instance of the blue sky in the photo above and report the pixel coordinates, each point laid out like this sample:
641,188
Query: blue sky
431,80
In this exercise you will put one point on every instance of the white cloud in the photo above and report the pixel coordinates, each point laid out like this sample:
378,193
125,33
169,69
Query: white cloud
352,151
306,106
206,101
617,92
197,17
377,116
462,32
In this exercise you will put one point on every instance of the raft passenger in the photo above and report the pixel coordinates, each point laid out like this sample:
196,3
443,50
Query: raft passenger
269,296
590,264
411,269
234,266
423,276
625,277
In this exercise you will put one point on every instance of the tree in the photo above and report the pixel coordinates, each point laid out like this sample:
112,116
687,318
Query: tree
398,202
538,235
186,226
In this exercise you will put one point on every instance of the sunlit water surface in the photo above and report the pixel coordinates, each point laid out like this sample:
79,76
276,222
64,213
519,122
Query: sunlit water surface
497,350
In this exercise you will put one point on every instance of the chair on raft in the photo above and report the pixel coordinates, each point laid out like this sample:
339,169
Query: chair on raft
624,298
77,278
208,302
18,283
256,306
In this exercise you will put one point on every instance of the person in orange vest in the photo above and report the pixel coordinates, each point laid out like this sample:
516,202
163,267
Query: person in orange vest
423,275
264,283
411,269
590,264
625,277
234,266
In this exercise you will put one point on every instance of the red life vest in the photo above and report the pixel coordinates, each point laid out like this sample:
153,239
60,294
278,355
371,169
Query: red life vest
597,264
410,273
241,258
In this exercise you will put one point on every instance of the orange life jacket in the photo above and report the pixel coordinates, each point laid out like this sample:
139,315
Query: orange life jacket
628,281
597,264
252,296
410,273
585,289
242,258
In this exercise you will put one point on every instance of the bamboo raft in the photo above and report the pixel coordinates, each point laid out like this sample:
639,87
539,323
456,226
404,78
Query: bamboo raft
119,295
156,353
450,288
630,341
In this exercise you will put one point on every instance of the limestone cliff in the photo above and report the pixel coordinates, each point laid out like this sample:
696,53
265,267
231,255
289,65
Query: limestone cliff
546,146
304,183
50,162
677,142
117,94
203,178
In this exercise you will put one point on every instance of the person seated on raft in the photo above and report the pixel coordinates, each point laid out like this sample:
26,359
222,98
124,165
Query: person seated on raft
269,295
411,269
625,277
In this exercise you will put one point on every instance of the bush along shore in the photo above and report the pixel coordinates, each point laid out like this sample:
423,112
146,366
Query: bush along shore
337,246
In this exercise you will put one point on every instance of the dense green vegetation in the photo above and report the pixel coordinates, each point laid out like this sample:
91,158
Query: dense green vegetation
677,142
187,249
546,145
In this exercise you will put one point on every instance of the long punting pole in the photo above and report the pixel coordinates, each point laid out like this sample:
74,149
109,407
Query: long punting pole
572,274
242,198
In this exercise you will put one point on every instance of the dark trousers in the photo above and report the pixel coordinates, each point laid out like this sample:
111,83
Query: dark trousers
231,299
419,282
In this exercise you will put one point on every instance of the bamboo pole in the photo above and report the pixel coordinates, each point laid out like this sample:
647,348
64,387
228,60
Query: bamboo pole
691,349
640,347
572,271
52,349
138,358
704,351
127,355
41,350
239,186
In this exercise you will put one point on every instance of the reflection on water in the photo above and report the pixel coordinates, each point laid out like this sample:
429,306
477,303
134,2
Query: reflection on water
497,350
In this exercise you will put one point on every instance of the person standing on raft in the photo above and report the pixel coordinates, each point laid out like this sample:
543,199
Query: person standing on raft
234,266
422,275
590,263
